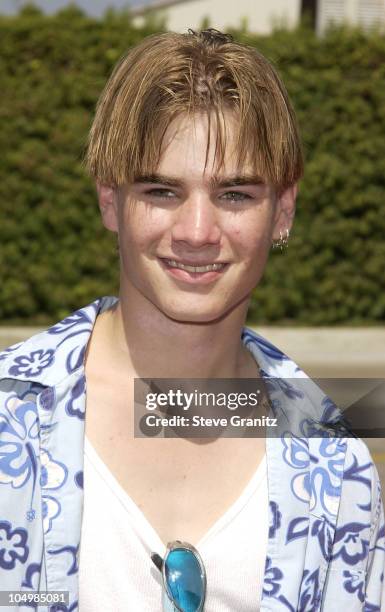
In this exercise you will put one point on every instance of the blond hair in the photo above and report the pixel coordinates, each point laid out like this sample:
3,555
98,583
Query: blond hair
169,74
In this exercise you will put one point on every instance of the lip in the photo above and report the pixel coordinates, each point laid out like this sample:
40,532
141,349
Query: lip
193,278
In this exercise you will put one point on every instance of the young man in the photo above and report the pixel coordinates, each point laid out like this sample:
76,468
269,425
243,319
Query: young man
271,523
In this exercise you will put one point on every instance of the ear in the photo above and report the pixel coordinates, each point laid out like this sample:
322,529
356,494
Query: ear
108,204
284,211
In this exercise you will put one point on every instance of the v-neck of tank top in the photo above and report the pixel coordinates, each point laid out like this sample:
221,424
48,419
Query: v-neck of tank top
149,534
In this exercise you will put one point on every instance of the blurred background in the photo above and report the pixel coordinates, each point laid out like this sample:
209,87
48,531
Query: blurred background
322,300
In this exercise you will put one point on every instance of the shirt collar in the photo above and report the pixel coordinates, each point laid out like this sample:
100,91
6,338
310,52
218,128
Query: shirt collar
55,354
52,355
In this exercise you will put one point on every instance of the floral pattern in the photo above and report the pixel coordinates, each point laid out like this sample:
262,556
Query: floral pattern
19,430
325,506
275,521
355,583
33,363
77,392
13,545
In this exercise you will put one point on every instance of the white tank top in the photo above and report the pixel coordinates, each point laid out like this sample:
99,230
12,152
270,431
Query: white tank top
115,568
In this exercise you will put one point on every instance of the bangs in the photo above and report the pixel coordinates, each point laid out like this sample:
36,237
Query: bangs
143,97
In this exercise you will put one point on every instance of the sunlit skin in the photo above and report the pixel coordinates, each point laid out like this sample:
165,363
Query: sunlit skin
169,320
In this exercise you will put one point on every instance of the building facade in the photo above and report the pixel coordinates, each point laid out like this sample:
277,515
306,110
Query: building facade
261,17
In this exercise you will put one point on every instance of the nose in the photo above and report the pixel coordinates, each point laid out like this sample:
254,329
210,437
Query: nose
196,222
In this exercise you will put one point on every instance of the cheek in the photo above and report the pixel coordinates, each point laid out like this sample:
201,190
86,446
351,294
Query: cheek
140,229
250,241
251,230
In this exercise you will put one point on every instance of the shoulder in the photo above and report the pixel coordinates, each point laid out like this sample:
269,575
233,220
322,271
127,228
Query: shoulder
272,360
50,355
359,470
14,359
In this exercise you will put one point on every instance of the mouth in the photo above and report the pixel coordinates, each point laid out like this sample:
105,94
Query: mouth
191,272
207,267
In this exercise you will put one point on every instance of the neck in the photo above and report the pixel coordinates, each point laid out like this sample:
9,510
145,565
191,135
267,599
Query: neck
143,341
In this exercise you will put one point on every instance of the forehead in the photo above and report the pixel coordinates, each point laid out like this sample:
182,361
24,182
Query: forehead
192,142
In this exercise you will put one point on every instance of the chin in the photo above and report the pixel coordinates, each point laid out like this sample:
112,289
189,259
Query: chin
195,314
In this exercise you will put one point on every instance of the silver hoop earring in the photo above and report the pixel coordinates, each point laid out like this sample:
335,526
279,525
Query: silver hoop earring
282,242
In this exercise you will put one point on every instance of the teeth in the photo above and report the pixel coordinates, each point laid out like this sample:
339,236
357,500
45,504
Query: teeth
208,268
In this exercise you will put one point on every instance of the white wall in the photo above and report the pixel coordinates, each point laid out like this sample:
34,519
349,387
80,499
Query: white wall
261,14
367,13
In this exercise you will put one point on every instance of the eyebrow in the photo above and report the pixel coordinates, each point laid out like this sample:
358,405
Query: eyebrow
215,181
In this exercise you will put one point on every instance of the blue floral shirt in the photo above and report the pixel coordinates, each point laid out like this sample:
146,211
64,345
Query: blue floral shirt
326,541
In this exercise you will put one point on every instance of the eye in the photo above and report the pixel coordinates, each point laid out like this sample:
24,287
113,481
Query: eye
237,196
160,193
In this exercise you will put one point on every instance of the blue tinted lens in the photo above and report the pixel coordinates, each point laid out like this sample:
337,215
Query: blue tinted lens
184,578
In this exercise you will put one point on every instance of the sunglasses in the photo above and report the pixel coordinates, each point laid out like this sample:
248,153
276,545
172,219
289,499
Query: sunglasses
184,578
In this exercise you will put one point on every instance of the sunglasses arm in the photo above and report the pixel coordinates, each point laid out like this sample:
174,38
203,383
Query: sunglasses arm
157,560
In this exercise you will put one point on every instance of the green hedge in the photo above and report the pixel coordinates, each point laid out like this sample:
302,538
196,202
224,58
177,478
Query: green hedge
55,255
